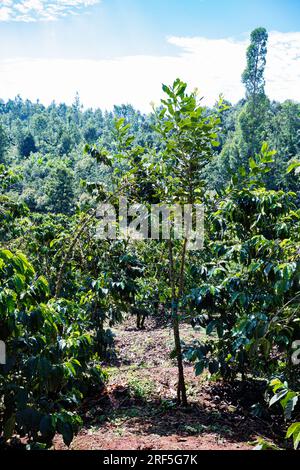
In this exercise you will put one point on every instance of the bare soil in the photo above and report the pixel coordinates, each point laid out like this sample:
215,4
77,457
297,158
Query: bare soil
138,408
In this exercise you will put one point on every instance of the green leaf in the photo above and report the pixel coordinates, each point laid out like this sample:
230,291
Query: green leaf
278,396
292,166
213,367
19,282
47,426
252,164
168,91
199,368
67,434
288,404
212,325
294,430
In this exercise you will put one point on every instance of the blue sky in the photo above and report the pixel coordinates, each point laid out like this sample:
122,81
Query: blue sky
115,51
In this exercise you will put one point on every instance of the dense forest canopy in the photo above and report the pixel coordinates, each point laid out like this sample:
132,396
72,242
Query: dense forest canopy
45,145
62,290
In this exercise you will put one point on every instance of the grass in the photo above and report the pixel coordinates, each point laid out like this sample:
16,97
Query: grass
211,428
140,388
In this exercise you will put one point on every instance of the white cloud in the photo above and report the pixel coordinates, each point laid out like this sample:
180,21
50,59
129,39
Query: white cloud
283,67
41,10
213,66
5,13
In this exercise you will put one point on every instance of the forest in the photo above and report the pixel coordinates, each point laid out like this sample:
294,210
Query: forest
144,344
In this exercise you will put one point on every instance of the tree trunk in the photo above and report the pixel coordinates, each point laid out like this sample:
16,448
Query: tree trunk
181,389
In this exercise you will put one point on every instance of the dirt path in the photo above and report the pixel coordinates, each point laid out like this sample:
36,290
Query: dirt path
138,410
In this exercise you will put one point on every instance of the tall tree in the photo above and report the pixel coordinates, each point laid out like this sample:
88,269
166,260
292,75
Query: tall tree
27,145
247,122
59,190
252,116
188,135
253,76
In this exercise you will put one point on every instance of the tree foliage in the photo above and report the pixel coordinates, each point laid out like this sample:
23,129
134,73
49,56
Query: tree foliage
62,289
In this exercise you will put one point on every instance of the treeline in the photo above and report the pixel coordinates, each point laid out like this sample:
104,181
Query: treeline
45,144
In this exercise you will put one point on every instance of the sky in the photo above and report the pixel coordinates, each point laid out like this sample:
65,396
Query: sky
121,51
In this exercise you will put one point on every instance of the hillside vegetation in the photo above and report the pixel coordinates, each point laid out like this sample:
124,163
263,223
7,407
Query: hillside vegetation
146,343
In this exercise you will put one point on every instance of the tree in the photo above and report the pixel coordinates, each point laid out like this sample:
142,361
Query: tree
283,132
91,134
49,365
247,122
3,143
11,211
66,143
27,145
252,278
39,125
188,136
175,174
59,190
253,78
